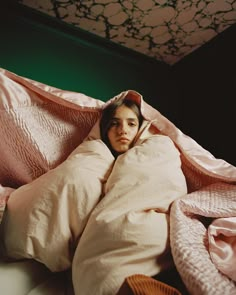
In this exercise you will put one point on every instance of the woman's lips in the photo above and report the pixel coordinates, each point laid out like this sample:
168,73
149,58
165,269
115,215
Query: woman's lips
123,139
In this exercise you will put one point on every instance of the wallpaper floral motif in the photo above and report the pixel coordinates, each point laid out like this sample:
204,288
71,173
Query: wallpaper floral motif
166,30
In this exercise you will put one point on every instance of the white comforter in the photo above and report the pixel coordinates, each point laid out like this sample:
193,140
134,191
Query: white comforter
124,233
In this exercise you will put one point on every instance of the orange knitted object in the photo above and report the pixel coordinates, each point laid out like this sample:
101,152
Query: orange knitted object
139,284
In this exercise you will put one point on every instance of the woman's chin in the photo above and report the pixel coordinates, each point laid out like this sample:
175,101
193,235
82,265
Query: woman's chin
122,150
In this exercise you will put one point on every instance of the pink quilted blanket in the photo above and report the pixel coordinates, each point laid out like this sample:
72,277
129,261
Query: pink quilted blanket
203,239
41,125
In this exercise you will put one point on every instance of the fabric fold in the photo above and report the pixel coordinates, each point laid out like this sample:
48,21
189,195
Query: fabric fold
189,220
4,196
128,231
222,245
48,215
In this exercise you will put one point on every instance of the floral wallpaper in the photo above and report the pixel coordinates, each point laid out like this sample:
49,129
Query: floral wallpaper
166,30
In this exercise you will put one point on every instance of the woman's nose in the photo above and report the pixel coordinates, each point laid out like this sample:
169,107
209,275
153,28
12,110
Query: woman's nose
122,129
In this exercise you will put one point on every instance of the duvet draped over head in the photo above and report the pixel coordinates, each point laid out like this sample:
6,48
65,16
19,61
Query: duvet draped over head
71,205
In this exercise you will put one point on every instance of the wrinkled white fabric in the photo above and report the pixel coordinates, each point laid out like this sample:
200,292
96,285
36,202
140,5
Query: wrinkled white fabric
47,216
128,231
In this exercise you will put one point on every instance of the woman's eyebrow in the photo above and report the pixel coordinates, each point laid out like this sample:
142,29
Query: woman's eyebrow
129,119
132,119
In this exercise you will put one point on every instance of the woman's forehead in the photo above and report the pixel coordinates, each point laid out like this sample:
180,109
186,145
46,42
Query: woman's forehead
124,112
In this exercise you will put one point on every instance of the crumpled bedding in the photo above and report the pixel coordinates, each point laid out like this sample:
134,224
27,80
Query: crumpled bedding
194,242
124,233
222,244
4,196
48,215
40,126
128,230
67,118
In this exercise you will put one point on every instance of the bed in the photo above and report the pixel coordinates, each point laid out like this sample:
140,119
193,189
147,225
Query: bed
42,128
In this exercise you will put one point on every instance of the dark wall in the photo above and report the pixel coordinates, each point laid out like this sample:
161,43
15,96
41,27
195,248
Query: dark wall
44,49
205,83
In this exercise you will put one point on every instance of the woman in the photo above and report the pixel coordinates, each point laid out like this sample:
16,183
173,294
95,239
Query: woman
120,124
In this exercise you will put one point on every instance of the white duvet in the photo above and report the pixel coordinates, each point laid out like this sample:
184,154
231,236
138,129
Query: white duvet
106,219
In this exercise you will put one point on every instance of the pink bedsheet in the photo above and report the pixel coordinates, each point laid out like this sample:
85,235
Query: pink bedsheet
40,125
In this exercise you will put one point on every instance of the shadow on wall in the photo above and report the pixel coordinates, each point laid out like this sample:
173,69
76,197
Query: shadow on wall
206,85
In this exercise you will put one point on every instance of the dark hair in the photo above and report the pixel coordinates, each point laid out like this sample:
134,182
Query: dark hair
109,112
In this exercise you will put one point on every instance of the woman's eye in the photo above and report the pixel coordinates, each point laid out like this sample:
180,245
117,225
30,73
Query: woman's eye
114,123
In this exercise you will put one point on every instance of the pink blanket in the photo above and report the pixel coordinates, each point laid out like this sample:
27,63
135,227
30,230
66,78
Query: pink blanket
41,125
197,247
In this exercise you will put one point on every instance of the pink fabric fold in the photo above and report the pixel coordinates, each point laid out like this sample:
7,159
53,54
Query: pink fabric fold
222,245
4,196
189,220
39,126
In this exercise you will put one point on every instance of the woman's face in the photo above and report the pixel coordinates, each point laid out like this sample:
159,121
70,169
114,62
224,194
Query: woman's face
123,128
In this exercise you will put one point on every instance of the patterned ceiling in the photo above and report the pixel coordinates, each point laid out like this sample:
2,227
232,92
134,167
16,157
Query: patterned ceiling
166,30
